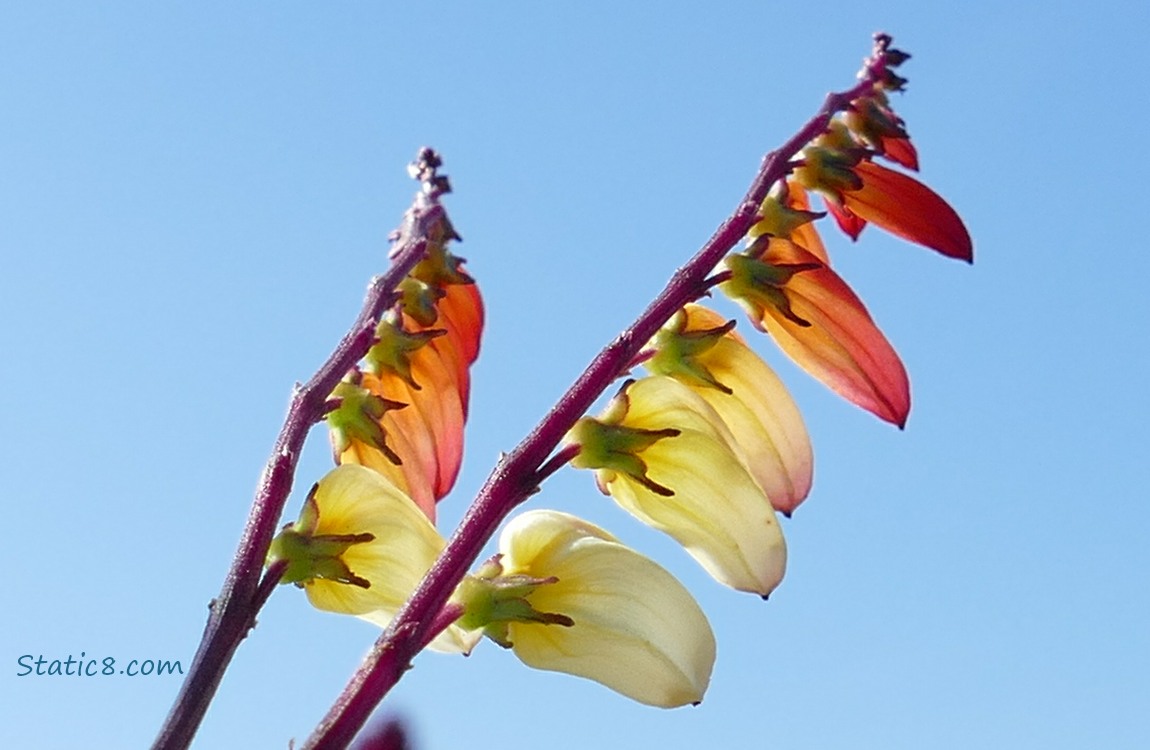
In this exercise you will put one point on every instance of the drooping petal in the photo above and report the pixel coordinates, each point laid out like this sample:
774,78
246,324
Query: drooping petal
768,429
900,151
427,434
462,311
905,207
849,222
353,500
715,508
825,328
636,628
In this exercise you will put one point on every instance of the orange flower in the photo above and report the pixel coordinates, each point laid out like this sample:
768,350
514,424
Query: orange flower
821,324
905,207
421,360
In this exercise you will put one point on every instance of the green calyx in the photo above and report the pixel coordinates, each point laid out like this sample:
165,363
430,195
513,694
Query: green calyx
439,268
677,352
761,284
492,601
871,122
354,416
830,168
394,348
780,220
309,555
608,445
419,299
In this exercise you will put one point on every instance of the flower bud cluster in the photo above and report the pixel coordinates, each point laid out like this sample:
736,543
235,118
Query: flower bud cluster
402,411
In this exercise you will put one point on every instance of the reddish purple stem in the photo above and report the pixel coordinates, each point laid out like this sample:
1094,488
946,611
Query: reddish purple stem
517,475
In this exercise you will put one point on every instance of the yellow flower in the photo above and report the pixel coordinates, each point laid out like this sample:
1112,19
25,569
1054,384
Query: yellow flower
685,479
360,548
698,349
635,628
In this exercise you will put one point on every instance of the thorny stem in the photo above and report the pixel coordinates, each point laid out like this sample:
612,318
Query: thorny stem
514,478
232,614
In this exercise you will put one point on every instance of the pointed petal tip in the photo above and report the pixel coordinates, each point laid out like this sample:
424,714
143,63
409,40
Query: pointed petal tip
909,209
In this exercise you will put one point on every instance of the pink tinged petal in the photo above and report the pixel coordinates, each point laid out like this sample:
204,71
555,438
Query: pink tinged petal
905,207
768,429
842,346
848,222
718,512
900,151
636,629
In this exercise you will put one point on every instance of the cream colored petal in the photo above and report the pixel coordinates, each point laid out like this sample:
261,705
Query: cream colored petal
453,640
719,513
637,630
354,500
764,420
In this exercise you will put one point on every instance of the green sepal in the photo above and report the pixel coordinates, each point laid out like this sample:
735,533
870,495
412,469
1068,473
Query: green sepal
394,348
439,268
677,351
871,122
354,416
492,601
419,299
607,444
830,169
311,556
780,220
762,284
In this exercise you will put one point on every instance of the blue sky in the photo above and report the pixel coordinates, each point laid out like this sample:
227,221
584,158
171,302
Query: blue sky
193,197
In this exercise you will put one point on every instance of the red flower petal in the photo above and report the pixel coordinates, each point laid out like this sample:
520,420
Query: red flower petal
905,207
850,223
842,346
900,151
